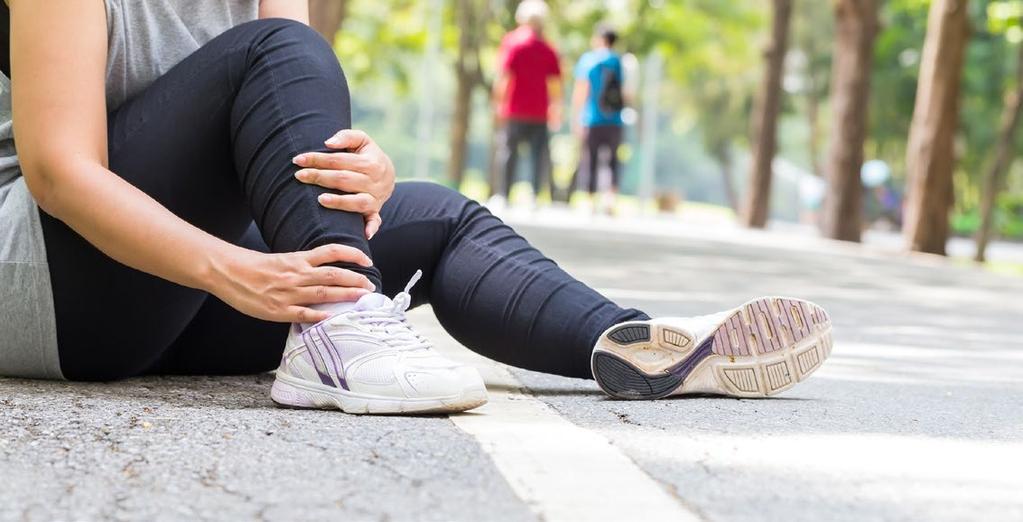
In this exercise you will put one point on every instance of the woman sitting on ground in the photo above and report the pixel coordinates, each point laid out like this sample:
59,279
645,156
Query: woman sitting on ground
187,198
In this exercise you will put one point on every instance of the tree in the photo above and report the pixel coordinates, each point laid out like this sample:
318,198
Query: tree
326,17
1003,157
469,17
765,118
930,154
856,26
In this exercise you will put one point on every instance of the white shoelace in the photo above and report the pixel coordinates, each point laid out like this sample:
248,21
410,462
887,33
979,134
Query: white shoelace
391,323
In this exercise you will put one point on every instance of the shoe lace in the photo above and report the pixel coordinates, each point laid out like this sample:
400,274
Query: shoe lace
391,323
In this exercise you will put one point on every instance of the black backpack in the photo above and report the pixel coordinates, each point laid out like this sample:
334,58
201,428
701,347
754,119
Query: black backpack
611,100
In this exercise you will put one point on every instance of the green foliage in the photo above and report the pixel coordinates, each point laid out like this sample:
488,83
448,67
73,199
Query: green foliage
1008,218
381,41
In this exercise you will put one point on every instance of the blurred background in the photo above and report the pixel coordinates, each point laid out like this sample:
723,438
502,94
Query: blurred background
891,118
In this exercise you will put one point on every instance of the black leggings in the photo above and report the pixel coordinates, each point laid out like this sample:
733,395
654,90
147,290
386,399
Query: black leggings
212,140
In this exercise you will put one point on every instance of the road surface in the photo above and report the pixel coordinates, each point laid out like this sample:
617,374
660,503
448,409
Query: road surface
918,415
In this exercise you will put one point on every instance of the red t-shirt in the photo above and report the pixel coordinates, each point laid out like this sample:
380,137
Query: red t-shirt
529,62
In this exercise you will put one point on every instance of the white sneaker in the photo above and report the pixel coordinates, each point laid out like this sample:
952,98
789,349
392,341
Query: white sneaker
761,348
370,360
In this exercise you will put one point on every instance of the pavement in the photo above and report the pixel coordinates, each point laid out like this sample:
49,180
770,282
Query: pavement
918,414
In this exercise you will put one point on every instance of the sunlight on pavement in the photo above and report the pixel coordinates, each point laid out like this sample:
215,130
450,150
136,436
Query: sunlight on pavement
968,476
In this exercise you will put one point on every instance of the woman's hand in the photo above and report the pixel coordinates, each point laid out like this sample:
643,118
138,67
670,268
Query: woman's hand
281,287
363,169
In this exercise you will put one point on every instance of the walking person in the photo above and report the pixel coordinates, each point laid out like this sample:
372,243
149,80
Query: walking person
186,196
598,99
527,96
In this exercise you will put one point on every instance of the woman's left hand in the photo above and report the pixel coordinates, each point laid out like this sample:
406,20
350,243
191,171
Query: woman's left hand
360,167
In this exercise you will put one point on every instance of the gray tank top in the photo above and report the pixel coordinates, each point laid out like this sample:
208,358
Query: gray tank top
145,39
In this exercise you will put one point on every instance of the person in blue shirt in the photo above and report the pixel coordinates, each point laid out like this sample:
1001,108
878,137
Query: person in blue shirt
597,104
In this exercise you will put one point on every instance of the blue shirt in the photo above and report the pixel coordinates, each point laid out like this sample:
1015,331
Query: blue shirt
593,67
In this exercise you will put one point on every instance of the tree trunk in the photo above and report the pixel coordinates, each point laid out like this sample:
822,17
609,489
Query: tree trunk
467,77
930,154
765,118
724,157
856,26
326,17
813,103
1004,155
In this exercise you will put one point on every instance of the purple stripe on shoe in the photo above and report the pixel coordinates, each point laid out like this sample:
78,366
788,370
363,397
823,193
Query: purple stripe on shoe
684,368
318,336
332,348
313,350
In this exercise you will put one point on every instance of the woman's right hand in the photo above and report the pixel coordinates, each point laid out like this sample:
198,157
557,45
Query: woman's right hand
281,287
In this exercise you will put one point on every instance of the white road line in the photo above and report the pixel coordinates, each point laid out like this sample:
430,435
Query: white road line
562,471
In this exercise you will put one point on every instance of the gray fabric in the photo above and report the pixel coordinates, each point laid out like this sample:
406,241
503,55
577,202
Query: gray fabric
145,40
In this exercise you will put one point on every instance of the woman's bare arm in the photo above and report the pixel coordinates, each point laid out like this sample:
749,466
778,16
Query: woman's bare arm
293,9
58,55
58,65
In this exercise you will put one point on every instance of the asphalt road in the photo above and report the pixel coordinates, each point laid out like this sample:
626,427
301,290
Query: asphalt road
918,415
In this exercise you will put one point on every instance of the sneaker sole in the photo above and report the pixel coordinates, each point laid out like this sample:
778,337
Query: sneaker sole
762,348
290,392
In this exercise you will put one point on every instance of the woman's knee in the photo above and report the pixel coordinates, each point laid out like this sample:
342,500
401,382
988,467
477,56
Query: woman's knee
427,200
427,191
288,44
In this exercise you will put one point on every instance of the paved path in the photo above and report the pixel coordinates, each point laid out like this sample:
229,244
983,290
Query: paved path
918,415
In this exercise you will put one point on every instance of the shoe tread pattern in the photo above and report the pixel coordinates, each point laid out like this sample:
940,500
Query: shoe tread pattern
630,334
772,329
624,381
768,345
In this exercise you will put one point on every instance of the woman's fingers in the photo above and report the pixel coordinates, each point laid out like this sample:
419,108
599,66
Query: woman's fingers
348,139
339,161
325,254
301,314
310,295
343,180
363,203
333,276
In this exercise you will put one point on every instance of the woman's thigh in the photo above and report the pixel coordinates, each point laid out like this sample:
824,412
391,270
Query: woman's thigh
223,341
114,321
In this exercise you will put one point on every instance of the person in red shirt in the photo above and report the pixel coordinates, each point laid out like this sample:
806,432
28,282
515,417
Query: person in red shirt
527,95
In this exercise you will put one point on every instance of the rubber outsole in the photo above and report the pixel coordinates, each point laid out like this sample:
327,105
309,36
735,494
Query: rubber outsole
291,392
629,334
762,348
623,380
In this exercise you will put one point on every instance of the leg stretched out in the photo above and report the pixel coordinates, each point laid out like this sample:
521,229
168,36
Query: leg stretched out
489,287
